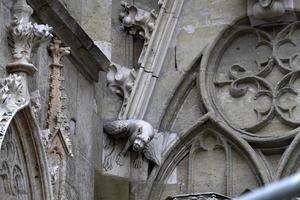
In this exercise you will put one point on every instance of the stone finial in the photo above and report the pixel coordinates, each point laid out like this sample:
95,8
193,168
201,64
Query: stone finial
57,52
57,120
58,139
22,37
137,21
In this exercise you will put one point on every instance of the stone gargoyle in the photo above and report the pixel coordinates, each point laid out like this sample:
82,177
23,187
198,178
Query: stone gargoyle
139,134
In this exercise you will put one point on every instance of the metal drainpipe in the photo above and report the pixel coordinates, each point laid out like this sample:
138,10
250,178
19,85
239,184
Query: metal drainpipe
280,190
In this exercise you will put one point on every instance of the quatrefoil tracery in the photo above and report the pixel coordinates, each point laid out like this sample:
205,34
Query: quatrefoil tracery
277,97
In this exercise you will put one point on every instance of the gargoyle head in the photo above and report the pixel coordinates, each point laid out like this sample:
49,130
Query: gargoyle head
138,144
143,137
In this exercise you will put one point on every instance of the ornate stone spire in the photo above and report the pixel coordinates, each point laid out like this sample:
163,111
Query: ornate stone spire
59,145
57,119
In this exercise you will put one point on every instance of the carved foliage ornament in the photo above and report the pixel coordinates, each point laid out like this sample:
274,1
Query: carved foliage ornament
23,36
137,21
121,81
255,81
13,97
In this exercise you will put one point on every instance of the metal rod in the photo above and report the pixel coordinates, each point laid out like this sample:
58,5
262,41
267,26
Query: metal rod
283,189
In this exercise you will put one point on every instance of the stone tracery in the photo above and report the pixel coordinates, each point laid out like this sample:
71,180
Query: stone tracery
254,76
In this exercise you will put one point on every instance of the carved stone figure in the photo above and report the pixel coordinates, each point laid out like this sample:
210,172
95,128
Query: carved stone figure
35,103
139,135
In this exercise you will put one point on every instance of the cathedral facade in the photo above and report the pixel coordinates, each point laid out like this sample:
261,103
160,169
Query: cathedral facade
147,99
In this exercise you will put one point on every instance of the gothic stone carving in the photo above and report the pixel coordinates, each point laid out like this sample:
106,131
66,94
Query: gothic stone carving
58,140
13,97
270,11
58,123
22,36
152,58
35,103
121,80
13,174
138,135
208,157
137,21
259,90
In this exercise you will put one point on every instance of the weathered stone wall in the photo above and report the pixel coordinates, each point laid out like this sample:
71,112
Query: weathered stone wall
200,23
84,101
208,150
82,108
93,15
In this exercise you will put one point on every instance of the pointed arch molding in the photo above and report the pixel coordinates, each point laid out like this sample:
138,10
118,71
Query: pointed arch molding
33,180
185,145
290,162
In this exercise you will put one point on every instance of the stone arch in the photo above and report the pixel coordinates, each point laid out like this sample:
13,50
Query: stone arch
24,170
290,160
181,93
227,139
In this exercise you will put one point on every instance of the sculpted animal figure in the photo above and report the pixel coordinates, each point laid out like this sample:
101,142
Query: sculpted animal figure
139,135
